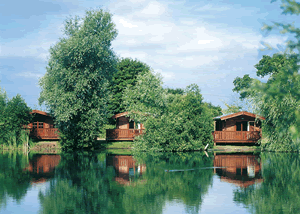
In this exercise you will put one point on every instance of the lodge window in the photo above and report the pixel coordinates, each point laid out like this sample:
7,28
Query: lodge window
35,124
218,125
242,126
41,125
131,124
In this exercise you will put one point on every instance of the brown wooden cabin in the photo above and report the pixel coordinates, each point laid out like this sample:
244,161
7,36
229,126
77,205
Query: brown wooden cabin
42,126
241,127
126,168
241,170
126,129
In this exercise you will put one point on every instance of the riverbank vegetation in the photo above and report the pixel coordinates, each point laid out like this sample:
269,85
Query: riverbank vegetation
14,114
277,99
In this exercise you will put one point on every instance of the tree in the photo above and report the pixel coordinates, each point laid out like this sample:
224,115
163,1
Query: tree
173,121
127,71
276,99
75,87
14,114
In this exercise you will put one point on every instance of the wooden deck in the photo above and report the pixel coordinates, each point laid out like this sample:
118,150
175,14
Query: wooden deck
122,134
44,133
236,136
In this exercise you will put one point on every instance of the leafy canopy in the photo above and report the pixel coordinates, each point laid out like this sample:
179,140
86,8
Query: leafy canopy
75,87
14,113
127,72
278,98
173,121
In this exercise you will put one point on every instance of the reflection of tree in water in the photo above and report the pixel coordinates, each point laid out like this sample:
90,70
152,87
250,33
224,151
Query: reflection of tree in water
84,184
279,193
161,186
14,180
242,170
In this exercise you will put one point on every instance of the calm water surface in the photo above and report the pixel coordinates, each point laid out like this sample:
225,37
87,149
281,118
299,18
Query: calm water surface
144,183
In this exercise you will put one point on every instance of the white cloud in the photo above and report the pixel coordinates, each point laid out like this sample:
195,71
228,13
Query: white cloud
127,24
30,75
203,42
153,9
165,75
210,8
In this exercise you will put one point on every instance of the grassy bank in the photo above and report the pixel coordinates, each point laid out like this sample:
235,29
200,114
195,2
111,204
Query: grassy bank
234,148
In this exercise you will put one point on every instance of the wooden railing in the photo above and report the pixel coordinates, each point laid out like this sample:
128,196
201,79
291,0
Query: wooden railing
44,133
236,136
122,134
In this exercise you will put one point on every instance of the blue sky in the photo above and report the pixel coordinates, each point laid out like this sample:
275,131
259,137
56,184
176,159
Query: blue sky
204,42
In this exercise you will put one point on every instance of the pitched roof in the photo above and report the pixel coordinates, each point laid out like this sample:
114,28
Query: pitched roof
40,112
227,116
120,115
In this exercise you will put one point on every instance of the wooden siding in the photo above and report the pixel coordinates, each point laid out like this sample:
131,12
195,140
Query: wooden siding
122,134
236,136
44,133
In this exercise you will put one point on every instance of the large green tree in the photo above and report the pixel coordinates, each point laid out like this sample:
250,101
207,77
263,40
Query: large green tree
173,121
278,99
75,87
127,72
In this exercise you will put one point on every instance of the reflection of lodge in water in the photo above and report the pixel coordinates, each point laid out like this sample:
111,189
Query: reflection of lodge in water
241,170
126,168
42,167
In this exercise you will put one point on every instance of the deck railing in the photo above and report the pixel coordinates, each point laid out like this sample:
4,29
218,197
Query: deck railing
236,136
44,133
122,134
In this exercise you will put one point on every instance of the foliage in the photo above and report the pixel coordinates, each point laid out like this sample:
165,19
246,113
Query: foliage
279,192
230,109
14,113
80,68
278,98
14,180
173,121
127,71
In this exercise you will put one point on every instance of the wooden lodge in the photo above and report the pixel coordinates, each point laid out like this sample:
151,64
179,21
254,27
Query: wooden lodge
42,126
241,127
126,129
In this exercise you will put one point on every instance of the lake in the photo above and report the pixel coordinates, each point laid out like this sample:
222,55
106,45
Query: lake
150,183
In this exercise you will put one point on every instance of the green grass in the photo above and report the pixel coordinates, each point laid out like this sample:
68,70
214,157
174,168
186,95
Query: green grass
234,148
119,151
120,145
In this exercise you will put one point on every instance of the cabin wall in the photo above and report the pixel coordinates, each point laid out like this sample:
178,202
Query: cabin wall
230,124
123,123
42,119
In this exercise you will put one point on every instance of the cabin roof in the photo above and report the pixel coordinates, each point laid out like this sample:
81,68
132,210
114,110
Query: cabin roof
120,115
228,116
40,112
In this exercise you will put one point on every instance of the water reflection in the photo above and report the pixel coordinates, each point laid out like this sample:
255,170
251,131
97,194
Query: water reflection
42,167
150,183
126,168
242,170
